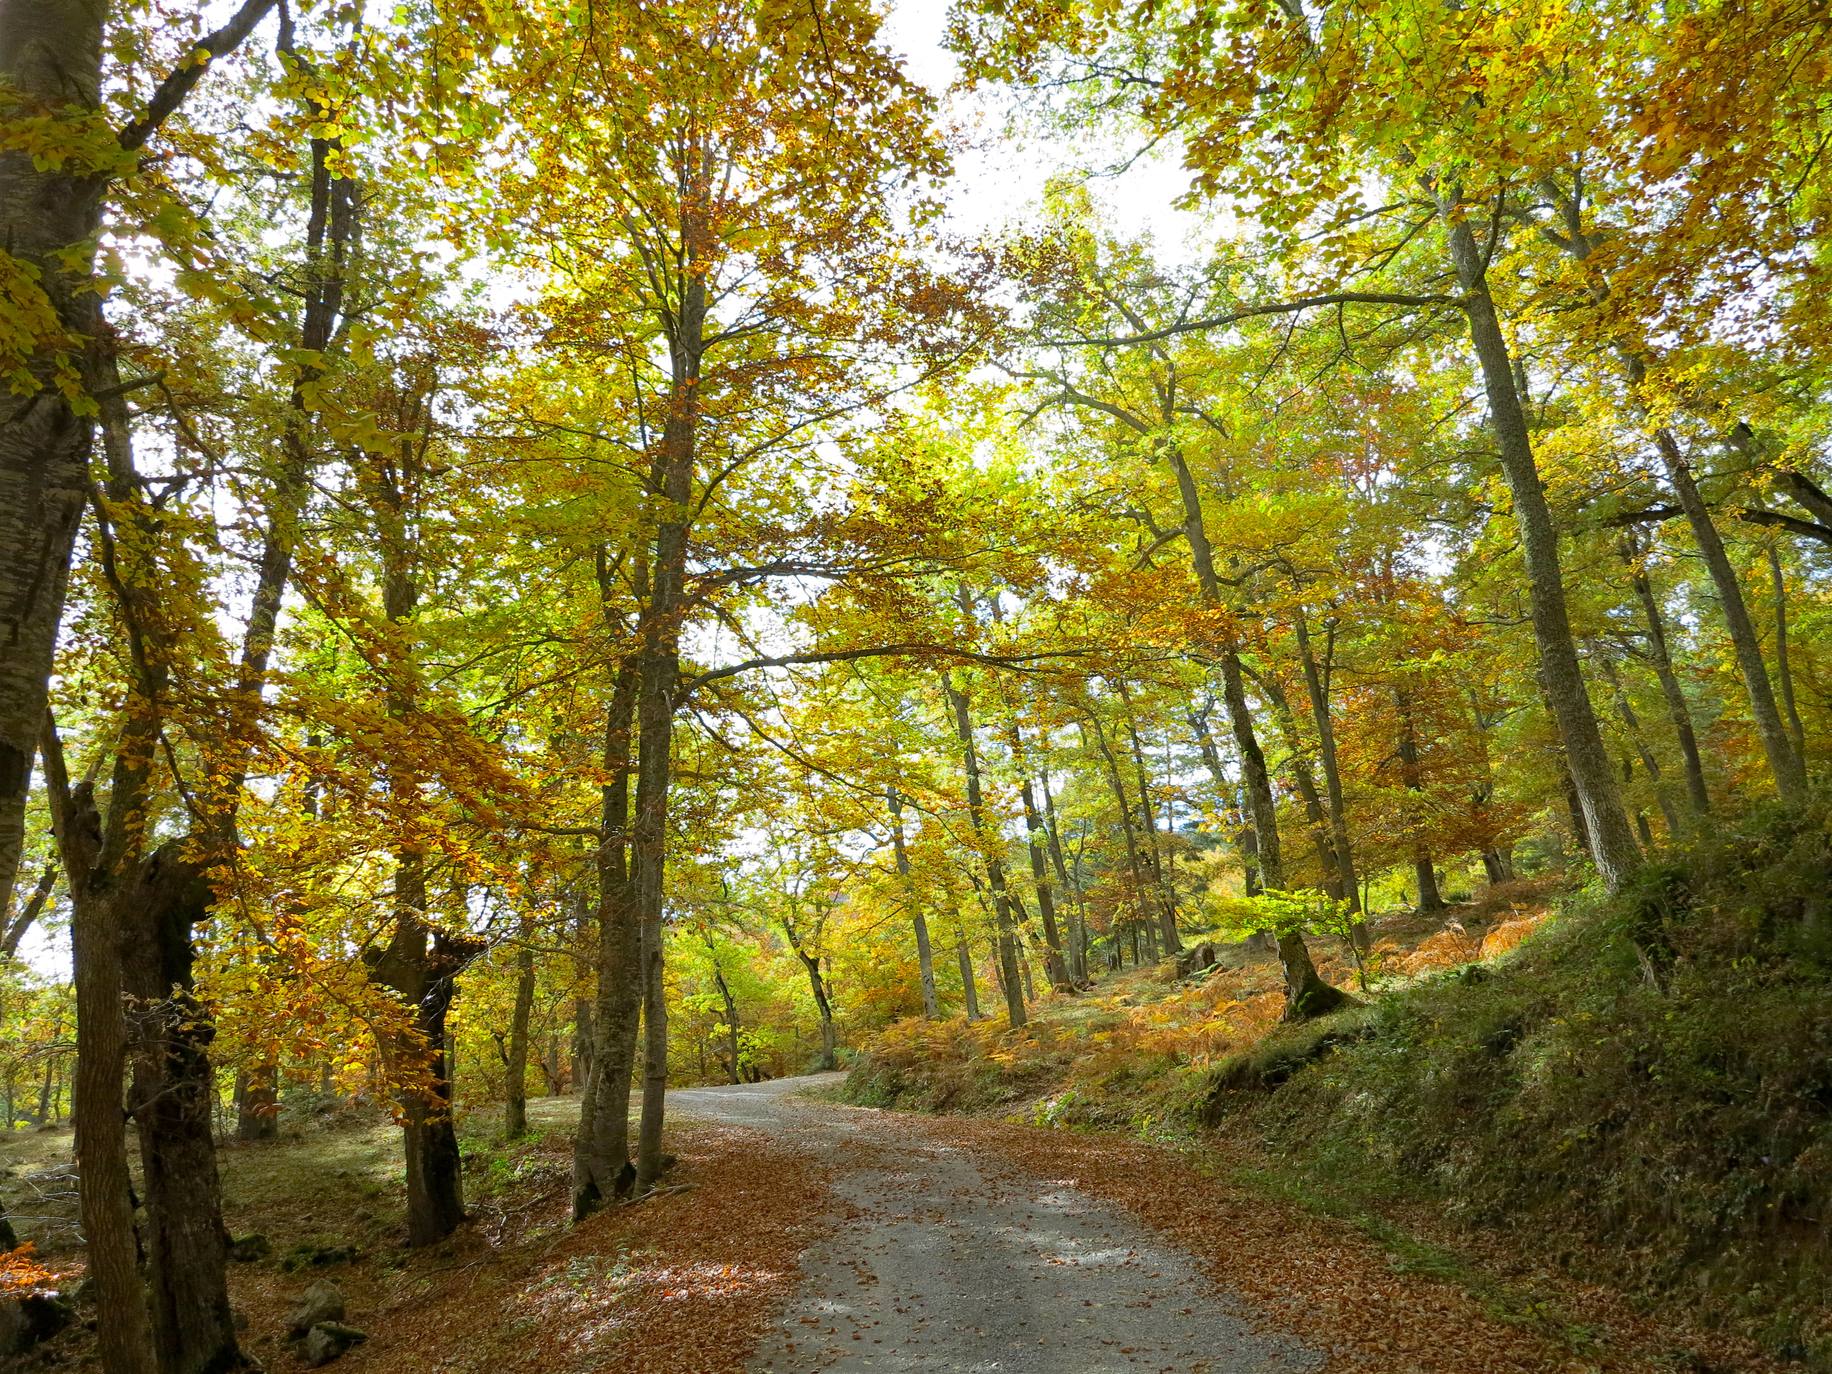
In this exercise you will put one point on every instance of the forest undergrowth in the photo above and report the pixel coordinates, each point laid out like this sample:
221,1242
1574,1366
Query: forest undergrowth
1571,1092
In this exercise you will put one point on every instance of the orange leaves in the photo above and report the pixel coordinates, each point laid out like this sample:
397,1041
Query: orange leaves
21,1272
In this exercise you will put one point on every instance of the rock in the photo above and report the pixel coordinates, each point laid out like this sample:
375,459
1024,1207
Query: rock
248,1249
314,1254
31,1319
322,1302
1197,959
326,1342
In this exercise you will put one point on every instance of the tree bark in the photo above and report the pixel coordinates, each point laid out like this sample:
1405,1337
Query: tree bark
988,839
257,1102
925,957
601,1149
1430,899
123,1332
1612,838
515,1099
51,56
1784,762
1784,669
969,992
1316,687
1677,710
1299,766
1305,993
1078,918
1167,898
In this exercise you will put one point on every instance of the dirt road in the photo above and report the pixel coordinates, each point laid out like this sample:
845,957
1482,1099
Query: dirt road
950,1261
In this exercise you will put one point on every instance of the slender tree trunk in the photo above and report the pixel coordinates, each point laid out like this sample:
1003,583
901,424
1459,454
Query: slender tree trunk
987,836
1299,765
1677,710
1607,824
14,928
1228,801
1648,762
1430,899
1141,884
515,1103
1784,671
1167,900
1316,687
733,1054
925,957
1078,916
1784,761
969,992
1306,994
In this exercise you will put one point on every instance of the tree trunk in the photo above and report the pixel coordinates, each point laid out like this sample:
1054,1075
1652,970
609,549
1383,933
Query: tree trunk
969,991
1167,899
1677,710
15,928
601,1148
1037,844
1784,761
172,1093
123,1331
1648,762
1305,993
1078,917
733,1054
1430,899
1228,802
1316,687
1612,839
51,57
257,1103
988,838
1320,834
515,1103
1784,671
925,957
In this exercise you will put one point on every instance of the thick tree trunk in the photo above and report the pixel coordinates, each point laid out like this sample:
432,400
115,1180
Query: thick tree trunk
51,57
1677,710
171,1097
987,836
925,956
1612,838
123,1330
601,1149
515,1069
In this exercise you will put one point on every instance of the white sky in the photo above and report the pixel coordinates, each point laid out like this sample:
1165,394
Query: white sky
1000,175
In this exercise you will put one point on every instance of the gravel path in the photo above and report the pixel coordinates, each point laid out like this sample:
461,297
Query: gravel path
948,1261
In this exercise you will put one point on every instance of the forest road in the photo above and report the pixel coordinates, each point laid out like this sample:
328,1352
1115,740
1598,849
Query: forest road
947,1261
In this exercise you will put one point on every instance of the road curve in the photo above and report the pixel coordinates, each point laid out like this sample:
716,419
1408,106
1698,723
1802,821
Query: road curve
948,1261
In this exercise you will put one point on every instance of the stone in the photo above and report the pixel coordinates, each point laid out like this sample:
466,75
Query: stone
31,1319
327,1341
248,1249
322,1302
